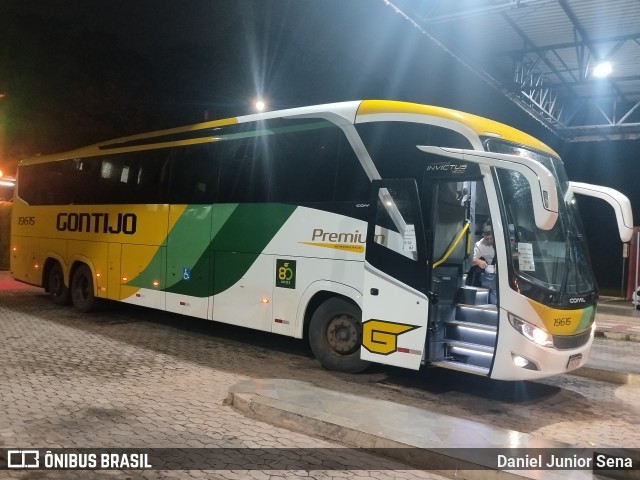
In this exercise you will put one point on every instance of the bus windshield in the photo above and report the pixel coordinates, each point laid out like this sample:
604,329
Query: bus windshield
556,260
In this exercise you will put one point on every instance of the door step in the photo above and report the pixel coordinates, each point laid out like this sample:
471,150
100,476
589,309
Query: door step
472,347
485,314
473,326
472,295
462,367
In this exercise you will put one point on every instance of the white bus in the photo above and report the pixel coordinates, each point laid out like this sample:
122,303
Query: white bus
338,223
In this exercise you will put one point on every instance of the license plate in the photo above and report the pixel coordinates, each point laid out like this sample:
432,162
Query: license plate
574,361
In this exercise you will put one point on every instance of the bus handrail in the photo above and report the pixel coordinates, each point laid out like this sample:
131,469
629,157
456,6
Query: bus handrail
453,245
540,179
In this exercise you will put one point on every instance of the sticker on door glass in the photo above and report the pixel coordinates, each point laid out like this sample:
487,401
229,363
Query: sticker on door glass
525,257
409,239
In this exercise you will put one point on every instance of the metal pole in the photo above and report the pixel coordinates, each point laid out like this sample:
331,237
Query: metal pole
624,263
635,302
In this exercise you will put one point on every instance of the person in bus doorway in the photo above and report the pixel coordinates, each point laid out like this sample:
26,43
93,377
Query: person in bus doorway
484,249
484,257
464,197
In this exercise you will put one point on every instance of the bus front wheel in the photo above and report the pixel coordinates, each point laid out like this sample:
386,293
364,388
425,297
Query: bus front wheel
82,289
58,291
335,336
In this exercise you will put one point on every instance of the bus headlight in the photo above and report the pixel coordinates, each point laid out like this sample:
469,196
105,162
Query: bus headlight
533,333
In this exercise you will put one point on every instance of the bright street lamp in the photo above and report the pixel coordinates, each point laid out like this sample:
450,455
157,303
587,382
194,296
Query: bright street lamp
602,70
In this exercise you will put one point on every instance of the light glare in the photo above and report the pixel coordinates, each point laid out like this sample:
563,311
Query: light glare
602,70
519,361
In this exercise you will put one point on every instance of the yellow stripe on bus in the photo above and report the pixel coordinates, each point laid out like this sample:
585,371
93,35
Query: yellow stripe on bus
481,126
338,246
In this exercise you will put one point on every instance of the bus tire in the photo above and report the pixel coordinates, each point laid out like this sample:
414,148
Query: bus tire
82,294
335,336
58,291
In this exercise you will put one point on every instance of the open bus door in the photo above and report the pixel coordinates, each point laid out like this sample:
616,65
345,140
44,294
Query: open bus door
395,304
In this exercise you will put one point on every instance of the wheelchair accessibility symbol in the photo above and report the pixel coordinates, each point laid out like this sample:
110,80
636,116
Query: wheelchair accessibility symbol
186,274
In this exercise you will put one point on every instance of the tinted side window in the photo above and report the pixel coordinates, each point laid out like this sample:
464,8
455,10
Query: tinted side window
194,174
244,176
393,146
136,177
352,183
301,162
46,183
304,166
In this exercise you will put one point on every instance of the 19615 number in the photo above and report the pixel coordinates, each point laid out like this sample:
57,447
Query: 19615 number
562,322
26,220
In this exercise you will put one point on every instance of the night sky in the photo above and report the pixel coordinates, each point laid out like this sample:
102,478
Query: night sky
79,71
75,72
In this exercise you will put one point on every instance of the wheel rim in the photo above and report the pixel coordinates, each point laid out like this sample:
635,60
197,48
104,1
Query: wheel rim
343,335
55,282
82,289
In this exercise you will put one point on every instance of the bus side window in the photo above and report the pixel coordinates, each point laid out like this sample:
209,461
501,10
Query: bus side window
352,183
194,175
150,176
300,162
48,183
303,168
244,177
85,178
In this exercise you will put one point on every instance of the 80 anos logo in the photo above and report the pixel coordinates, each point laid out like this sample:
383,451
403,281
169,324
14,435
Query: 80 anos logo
285,273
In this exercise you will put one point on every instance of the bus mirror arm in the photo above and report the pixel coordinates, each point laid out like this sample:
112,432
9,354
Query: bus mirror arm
541,181
619,202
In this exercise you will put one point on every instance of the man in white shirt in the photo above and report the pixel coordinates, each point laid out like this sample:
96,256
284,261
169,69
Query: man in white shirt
483,256
483,251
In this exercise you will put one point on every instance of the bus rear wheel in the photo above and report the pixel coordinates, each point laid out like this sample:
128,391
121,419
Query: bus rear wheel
335,336
82,289
58,291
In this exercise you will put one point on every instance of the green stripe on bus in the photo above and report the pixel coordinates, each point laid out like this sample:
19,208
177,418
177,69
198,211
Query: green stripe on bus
235,247
185,246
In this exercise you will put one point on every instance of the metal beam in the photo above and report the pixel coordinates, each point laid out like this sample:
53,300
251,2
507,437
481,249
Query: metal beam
542,83
474,12
575,44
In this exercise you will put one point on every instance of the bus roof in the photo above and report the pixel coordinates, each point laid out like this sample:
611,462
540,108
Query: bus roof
347,112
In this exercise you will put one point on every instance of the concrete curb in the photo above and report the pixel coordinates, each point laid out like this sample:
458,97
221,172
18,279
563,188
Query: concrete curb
299,407
631,337
609,376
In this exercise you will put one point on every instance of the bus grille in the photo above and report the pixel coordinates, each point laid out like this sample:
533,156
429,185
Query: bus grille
562,342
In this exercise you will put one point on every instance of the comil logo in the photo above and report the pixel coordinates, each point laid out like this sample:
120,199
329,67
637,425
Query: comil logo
23,459
577,300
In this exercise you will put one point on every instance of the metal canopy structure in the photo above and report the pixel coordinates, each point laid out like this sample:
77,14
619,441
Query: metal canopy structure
543,54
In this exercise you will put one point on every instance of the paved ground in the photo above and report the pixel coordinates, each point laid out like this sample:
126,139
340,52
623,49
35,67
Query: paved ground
132,377
129,378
